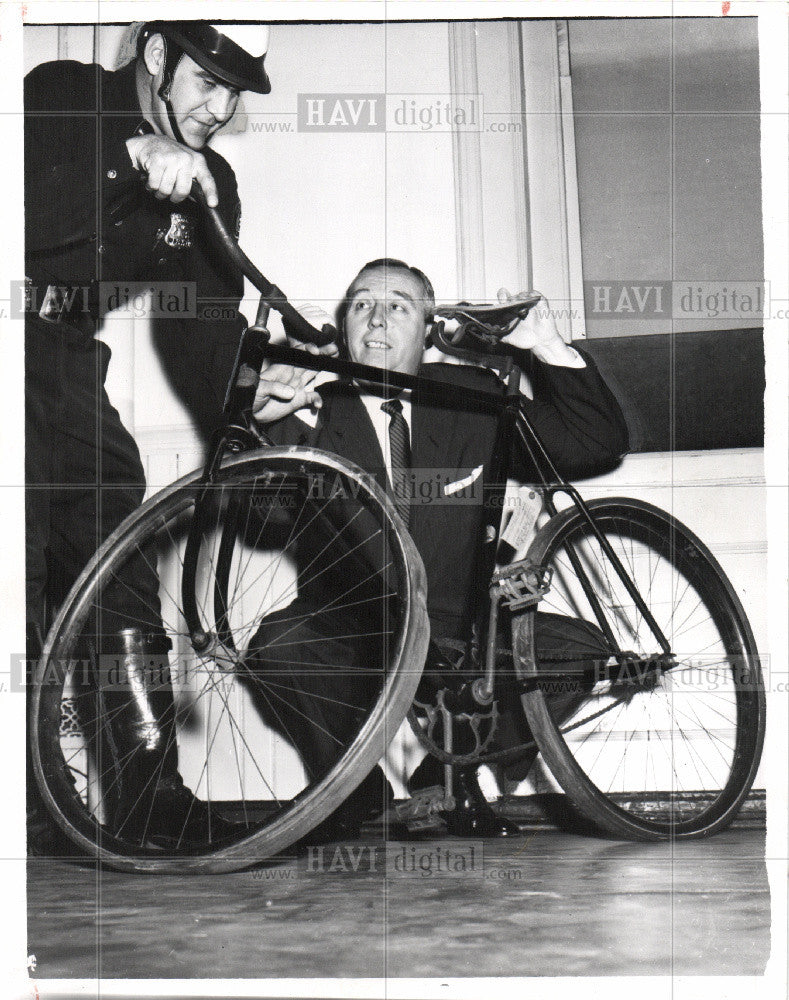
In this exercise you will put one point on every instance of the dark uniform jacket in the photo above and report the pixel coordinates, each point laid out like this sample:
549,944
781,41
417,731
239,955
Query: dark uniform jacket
89,220
574,413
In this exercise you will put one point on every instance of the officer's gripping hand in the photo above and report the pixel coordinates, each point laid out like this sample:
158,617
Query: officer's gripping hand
283,389
170,168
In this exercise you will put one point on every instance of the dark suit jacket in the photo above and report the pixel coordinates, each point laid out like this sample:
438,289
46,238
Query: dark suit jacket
89,222
573,411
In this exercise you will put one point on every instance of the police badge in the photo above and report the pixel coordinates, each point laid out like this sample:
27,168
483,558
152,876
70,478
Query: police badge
179,234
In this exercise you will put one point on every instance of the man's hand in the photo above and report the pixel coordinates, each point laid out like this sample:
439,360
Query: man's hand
538,333
170,168
283,389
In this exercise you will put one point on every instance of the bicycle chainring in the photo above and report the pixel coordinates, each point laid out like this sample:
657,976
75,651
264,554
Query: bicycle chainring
473,729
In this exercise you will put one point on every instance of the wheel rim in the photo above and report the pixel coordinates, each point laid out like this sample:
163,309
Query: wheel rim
668,748
214,687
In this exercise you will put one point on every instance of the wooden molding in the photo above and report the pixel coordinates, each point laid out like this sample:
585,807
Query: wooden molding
520,199
467,161
575,276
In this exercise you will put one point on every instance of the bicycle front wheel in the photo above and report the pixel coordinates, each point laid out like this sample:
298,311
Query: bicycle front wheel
310,598
649,740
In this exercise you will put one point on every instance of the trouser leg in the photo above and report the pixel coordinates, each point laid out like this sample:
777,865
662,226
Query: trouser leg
38,475
84,477
556,639
103,481
314,677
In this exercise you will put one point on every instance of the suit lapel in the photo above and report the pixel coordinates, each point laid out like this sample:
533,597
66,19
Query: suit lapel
346,429
434,436
441,438
427,431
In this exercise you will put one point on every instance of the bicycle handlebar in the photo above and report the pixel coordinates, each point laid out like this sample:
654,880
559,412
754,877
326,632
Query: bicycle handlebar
479,332
294,322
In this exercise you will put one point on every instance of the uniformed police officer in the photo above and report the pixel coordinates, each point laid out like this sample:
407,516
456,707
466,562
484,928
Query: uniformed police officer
110,159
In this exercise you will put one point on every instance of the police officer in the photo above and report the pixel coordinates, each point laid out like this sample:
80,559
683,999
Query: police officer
110,159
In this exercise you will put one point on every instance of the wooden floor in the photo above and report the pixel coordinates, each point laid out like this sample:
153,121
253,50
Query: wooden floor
549,904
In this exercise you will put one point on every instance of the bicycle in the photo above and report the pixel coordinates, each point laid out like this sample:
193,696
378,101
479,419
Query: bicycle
680,690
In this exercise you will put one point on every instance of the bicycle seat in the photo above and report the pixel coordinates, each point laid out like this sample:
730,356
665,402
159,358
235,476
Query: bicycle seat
480,326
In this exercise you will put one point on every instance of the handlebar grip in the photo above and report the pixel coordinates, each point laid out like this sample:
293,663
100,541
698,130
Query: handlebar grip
294,322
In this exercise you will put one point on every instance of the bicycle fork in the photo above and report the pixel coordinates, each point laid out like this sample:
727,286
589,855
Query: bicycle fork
237,433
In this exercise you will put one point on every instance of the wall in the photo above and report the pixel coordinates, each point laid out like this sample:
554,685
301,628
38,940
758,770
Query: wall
667,141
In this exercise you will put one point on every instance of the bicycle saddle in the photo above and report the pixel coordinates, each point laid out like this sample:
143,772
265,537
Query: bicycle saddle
480,325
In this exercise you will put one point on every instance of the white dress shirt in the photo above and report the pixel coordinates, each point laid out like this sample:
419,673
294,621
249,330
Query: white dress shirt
381,421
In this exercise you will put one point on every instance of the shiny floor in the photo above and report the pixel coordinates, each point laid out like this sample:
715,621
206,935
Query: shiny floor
548,904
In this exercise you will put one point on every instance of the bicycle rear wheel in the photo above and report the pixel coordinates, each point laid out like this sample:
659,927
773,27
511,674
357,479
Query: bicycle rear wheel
290,537
647,743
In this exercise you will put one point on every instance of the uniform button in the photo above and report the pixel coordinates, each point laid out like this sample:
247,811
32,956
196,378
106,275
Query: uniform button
101,248
119,223
112,174
162,260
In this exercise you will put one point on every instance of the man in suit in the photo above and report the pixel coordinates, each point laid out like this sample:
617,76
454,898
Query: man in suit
386,317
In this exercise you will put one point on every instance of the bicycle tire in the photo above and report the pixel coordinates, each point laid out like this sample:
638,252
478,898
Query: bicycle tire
76,804
688,737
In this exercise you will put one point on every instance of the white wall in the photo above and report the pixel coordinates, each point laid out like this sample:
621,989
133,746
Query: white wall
318,205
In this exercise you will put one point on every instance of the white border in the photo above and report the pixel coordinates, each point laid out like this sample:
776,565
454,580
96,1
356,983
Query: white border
773,37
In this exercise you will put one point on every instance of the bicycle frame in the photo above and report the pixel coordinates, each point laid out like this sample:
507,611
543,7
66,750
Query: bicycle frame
514,426
240,433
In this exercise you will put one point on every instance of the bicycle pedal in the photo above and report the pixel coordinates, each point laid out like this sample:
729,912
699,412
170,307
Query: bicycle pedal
430,824
423,809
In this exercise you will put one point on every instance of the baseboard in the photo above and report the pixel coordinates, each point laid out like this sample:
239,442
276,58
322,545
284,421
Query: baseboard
552,810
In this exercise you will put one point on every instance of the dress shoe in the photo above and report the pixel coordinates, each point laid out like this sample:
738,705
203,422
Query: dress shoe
396,829
472,815
45,839
469,820
390,825
176,818
366,804
334,829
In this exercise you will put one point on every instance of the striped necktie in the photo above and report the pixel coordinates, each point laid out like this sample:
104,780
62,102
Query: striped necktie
400,452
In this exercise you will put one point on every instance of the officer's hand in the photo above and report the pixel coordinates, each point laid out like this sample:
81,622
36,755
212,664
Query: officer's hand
538,332
170,168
